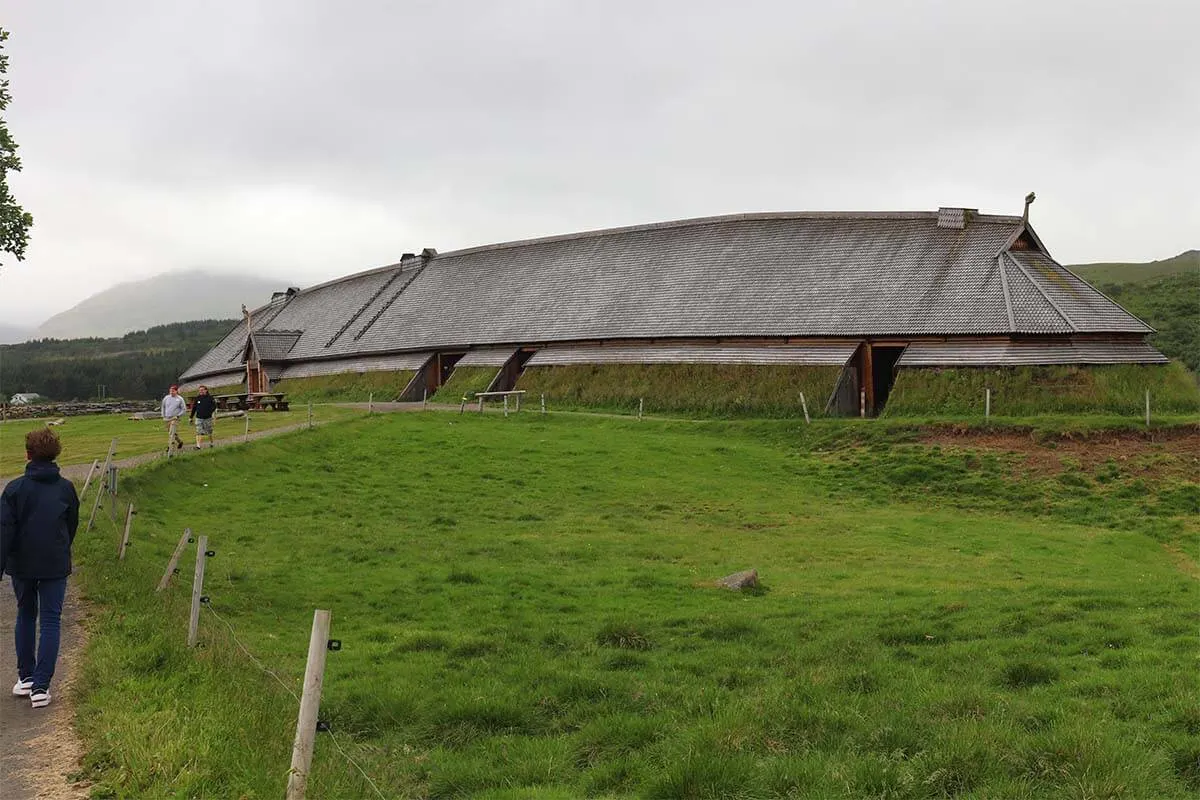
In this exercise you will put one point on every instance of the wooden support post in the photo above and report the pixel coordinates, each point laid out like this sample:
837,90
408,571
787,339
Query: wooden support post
310,705
197,589
543,404
125,538
1147,408
804,406
310,415
174,562
112,495
96,503
86,483
987,403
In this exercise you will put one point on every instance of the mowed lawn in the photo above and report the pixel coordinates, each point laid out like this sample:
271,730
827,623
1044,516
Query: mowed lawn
87,438
527,610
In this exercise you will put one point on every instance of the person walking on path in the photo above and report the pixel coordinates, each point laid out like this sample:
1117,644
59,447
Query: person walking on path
39,514
202,413
173,407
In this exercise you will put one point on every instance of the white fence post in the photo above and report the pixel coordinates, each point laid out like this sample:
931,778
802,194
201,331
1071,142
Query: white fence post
310,705
424,398
171,565
505,405
987,403
1147,408
125,538
543,404
371,403
197,588
804,406
862,403
641,403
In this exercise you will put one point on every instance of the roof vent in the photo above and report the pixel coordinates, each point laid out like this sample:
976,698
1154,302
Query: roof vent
293,290
955,217
407,257
428,253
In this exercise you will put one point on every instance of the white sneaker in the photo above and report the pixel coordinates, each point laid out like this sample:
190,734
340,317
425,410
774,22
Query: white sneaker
23,687
39,698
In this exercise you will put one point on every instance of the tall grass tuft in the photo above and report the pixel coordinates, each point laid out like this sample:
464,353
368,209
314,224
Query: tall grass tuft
1030,391
724,390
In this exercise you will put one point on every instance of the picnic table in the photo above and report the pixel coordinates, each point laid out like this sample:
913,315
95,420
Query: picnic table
244,401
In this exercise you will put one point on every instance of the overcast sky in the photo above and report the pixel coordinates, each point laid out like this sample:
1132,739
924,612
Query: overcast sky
309,140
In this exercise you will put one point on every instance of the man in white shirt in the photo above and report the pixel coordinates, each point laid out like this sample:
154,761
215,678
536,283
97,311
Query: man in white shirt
173,407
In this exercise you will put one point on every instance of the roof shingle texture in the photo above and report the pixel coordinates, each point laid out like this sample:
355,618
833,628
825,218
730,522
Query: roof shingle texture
819,275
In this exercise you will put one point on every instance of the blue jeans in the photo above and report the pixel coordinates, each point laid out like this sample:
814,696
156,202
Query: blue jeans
33,596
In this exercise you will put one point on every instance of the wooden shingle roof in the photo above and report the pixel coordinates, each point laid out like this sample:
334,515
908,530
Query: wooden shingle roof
748,275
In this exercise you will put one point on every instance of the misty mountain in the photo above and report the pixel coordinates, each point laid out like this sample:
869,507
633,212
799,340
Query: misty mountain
174,297
12,334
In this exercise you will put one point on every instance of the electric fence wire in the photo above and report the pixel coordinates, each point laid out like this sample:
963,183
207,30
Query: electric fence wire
263,667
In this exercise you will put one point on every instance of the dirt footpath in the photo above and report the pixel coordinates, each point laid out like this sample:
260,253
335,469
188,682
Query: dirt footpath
39,749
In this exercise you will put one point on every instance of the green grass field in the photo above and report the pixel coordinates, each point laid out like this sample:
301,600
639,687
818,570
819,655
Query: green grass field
528,611
87,438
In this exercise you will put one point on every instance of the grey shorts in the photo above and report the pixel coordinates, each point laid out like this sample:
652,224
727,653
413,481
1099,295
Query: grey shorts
204,427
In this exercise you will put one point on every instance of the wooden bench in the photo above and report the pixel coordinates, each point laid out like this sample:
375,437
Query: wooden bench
481,396
277,401
232,402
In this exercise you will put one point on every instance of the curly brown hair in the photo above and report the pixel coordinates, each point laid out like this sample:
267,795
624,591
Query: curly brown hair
42,445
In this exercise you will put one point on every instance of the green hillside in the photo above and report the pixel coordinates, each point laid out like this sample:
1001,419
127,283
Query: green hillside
137,365
1165,294
1116,272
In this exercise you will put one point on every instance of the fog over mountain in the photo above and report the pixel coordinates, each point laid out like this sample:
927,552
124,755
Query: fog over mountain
174,297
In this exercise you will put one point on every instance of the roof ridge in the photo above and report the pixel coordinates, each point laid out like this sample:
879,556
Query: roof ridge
743,217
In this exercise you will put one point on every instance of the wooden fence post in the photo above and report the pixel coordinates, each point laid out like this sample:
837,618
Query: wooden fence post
371,403
640,403
310,415
197,588
125,538
1147,408
171,565
112,494
518,404
862,403
310,704
480,404
96,502
987,403
86,483
246,433
804,406
463,405
424,398
505,405
543,404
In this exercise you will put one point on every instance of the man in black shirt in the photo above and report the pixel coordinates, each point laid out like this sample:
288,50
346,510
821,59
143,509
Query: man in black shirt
202,412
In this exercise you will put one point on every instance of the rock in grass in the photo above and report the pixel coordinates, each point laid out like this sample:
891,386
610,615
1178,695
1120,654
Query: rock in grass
746,579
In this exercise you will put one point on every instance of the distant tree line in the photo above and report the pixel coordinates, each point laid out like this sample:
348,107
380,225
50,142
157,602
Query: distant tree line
136,366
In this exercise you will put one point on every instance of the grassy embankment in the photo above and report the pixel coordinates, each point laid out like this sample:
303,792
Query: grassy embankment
88,437
464,382
1025,391
383,386
527,611
708,389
